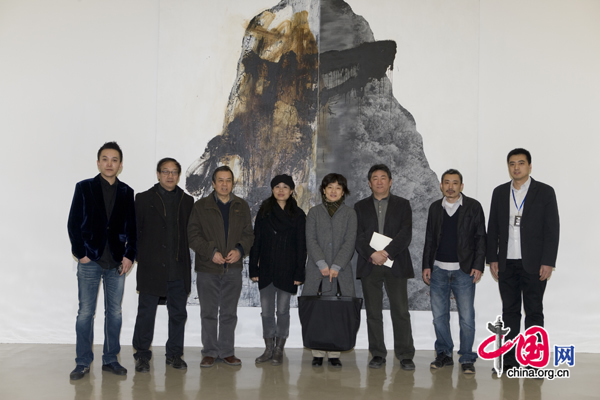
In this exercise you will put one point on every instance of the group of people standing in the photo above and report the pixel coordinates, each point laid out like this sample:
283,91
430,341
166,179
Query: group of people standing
109,230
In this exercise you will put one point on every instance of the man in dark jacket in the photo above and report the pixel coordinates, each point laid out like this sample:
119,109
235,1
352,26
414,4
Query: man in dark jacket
523,233
220,232
103,239
164,265
453,261
390,216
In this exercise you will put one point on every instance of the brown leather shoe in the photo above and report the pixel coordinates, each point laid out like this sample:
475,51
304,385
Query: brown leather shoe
232,360
207,362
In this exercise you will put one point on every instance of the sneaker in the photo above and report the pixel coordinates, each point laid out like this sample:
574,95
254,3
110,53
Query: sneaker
232,360
468,368
79,372
441,361
115,368
207,362
176,362
142,365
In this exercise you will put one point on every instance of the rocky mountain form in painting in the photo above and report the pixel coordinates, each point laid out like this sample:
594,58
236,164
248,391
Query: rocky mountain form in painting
312,96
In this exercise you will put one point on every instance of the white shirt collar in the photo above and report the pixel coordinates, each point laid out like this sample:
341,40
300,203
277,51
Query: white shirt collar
446,204
451,208
524,187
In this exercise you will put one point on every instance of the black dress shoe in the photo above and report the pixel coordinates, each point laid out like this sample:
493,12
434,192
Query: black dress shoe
176,362
79,372
377,362
317,361
407,365
115,368
142,365
335,362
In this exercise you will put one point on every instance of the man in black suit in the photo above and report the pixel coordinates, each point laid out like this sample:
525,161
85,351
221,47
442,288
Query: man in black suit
164,267
390,216
103,239
523,234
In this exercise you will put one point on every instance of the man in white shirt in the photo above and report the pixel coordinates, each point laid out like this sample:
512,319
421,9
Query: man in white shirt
523,234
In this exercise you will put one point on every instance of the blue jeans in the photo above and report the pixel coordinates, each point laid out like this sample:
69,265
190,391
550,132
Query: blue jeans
88,280
281,327
461,284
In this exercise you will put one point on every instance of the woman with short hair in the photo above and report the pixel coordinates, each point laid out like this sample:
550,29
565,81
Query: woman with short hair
330,239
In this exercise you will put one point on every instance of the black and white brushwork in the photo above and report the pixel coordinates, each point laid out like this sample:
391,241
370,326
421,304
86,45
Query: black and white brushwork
312,96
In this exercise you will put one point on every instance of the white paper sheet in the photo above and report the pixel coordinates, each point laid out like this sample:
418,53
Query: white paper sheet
378,242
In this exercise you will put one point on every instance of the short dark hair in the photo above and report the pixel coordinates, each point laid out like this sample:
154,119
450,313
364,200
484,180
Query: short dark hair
220,169
519,151
380,167
452,171
111,146
335,178
166,160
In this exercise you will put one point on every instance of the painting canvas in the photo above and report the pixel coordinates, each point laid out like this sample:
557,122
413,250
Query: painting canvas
313,95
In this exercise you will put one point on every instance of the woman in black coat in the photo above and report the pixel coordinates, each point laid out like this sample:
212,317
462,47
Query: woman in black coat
277,262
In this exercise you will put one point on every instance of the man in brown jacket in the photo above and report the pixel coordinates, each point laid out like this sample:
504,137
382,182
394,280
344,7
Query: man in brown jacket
220,232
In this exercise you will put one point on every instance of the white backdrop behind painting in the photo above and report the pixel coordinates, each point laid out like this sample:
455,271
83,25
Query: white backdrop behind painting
480,78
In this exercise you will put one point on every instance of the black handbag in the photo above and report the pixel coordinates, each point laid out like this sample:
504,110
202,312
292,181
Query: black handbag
329,323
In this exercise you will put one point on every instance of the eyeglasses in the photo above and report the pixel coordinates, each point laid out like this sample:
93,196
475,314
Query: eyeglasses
167,173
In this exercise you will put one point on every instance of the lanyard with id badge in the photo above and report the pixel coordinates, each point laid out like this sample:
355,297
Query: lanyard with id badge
517,221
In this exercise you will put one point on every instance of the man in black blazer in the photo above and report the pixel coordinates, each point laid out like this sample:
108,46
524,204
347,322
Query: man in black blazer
453,261
164,267
390,216
103,239
523,233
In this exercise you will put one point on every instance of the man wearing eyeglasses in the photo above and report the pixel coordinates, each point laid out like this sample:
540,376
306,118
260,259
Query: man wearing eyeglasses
164,265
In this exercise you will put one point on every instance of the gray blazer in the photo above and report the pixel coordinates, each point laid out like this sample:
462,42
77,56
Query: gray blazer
330,239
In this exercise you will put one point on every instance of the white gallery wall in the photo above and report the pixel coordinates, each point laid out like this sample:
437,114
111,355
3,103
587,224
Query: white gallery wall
480,78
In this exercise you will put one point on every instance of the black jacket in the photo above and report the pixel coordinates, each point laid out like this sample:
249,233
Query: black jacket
278,254
471,239
90,229
152,269
540,227
398,226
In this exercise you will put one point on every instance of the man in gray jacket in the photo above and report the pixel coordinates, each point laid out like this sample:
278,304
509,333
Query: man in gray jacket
220,233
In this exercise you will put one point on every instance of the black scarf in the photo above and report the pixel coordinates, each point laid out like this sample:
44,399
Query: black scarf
280,220
332,206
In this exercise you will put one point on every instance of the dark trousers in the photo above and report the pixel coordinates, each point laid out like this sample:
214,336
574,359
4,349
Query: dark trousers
517,287
397,292
146,316
219,296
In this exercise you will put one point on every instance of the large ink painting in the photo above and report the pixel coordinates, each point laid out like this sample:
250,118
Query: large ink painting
312,96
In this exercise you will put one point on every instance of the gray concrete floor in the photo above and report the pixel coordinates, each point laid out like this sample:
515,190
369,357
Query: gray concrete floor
36,371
